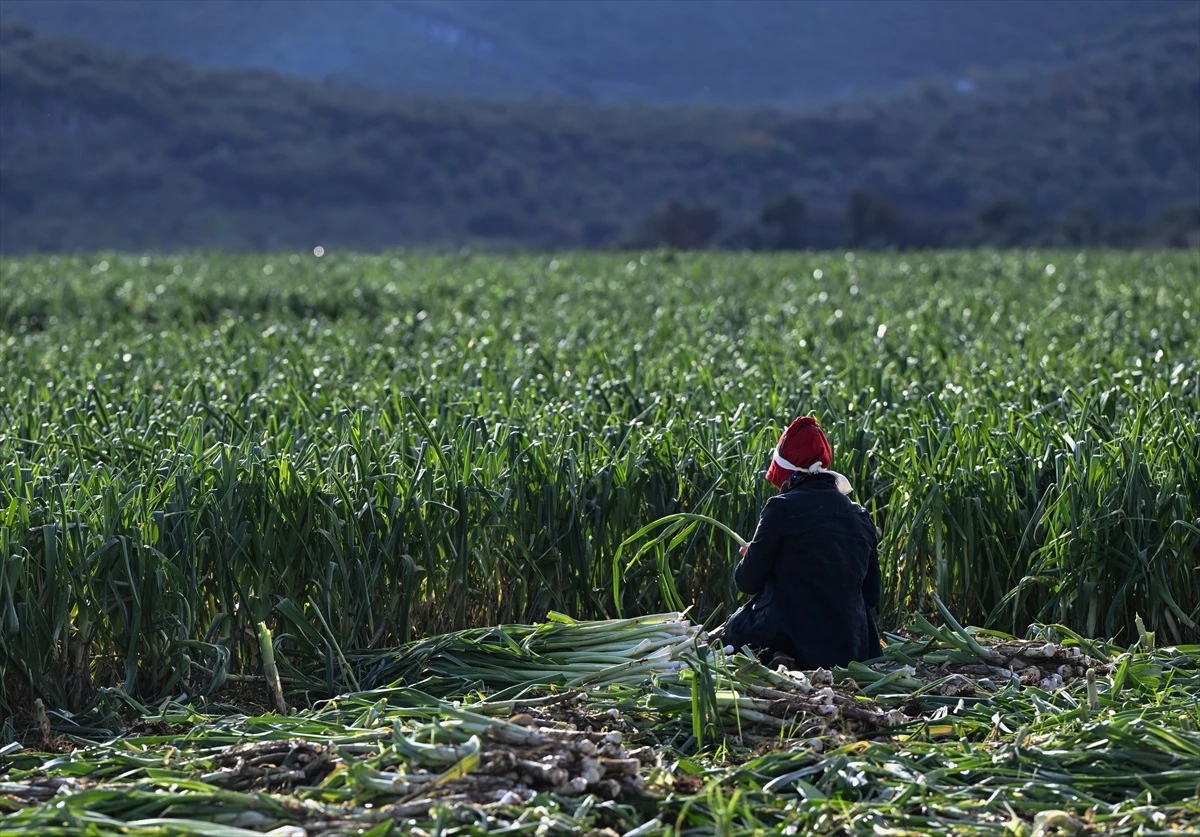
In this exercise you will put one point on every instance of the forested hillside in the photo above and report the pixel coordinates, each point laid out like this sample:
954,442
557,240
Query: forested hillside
101,150
728,52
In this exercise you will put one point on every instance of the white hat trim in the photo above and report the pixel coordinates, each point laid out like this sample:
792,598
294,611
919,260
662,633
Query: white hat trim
843,484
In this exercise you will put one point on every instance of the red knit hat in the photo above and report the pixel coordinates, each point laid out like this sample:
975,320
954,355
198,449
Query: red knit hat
800,447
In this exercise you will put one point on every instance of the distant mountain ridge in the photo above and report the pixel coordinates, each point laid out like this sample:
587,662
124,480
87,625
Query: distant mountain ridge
100,150
661,52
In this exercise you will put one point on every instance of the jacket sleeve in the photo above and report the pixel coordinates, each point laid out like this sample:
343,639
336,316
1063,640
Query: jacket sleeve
752,570
872,588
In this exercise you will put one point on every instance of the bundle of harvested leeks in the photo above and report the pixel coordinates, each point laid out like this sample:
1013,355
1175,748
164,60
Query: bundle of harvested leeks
559,652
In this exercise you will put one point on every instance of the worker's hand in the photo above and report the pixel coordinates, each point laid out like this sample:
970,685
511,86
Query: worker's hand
742,551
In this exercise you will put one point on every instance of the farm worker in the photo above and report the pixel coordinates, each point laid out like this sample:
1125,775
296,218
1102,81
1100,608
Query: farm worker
813,564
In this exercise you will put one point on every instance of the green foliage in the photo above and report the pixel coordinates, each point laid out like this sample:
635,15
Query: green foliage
361,451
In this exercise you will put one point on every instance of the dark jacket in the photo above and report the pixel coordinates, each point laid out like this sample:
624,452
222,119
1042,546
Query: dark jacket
813,566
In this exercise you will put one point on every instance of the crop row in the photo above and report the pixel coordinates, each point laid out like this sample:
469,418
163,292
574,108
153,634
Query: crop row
380,448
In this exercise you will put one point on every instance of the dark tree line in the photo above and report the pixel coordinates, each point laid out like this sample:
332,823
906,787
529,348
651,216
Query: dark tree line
871,222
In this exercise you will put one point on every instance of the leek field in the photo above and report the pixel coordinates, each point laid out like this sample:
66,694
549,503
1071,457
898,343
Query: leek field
425,544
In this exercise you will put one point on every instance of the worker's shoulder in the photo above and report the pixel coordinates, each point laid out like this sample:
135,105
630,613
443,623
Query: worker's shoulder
847,508
777,503
864,516
787,505
858,508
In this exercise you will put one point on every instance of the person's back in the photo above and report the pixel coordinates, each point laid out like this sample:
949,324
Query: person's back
813,564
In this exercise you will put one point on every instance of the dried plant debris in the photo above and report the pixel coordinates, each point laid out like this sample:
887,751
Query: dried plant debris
950,731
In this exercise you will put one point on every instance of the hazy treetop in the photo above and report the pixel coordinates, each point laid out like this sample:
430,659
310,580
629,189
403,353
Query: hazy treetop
733,52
